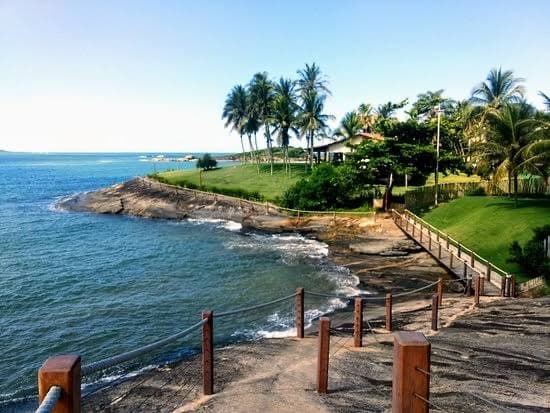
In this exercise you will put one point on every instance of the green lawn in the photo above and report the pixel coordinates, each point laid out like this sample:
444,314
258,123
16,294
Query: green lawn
488,225
242,177
400,190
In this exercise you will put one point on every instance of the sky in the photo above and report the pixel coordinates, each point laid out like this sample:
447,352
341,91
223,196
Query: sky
146,76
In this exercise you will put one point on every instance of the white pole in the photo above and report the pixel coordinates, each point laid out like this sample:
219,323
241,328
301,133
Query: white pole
437,154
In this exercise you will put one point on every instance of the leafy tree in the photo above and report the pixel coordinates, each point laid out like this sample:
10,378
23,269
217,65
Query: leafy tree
262,95
284,114
532,258
425,106
206,162
350,126
499,88
388,109
235,111
367,116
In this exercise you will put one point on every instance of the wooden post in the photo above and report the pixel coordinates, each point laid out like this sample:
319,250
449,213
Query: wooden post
435,310
482,286
411,362
447,241
468,287
407,225
439,250
414,227
62,371
451,260
358,323
513,286
507,285
437,233
459,247
389,312
421,232
207,354
472,260
323,355
439,291
477,291
503,285
488,271
299,312
429,240
465,270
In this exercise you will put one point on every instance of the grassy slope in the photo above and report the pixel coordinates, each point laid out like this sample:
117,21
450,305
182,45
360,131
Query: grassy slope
488,225
244,177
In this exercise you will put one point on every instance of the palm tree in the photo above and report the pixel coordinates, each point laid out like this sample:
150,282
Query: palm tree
284,115
350,125
251,127
311,79
499,88
235,111
387,110
511,141
312,120
546,101
261,100
367,116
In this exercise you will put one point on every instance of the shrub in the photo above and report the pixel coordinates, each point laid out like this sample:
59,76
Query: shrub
532,258
480,191
206,162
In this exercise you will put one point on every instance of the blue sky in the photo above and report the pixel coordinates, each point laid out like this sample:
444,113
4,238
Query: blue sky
152,76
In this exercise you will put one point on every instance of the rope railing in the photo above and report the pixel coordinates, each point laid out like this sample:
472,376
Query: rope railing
129,355
50,400
254,307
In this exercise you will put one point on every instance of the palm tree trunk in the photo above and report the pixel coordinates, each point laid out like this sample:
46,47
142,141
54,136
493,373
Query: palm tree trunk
509,183
269,146
311,151
516,188
242,146
257,154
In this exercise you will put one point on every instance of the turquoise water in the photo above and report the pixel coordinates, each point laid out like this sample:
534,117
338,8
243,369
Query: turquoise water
98,285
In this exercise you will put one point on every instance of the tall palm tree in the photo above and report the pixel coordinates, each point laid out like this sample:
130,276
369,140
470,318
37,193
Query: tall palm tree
350,125
235,111
261,100
311,79
387,110
546,101
499,88
312,120
511,135
284,115
251,127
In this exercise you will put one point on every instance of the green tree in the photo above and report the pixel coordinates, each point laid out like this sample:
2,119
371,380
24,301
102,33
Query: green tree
367,116
546,101
284,115
206,162
262,95
235,111
350,125
499,88
511,136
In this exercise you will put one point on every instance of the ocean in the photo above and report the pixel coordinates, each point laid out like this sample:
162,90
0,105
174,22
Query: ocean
99,285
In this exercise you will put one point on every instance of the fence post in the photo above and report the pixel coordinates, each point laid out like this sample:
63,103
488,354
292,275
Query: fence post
459,247
389,312
358,323
465,270
503,285
414,227
429,240
468,286
439,250
451,260
299,312
482,286
472,260
437,233
513,286
447,241
477,291
323,355
435,311
421,232
207,354
507,285
439,291
62,371
411,362
488,271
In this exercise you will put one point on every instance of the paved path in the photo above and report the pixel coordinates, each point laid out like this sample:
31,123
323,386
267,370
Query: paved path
462,262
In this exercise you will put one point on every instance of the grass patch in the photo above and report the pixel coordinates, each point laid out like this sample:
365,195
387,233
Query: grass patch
238,178
400,190
488,225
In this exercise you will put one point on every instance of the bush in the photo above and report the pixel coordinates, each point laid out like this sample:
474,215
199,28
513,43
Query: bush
480,191
206,162
328,187
532,258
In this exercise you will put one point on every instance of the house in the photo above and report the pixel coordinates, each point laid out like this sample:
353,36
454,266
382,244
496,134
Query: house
336,151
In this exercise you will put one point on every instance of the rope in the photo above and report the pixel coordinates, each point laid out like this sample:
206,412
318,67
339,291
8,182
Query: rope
415,291
255,307
112,361
51,399
430,403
